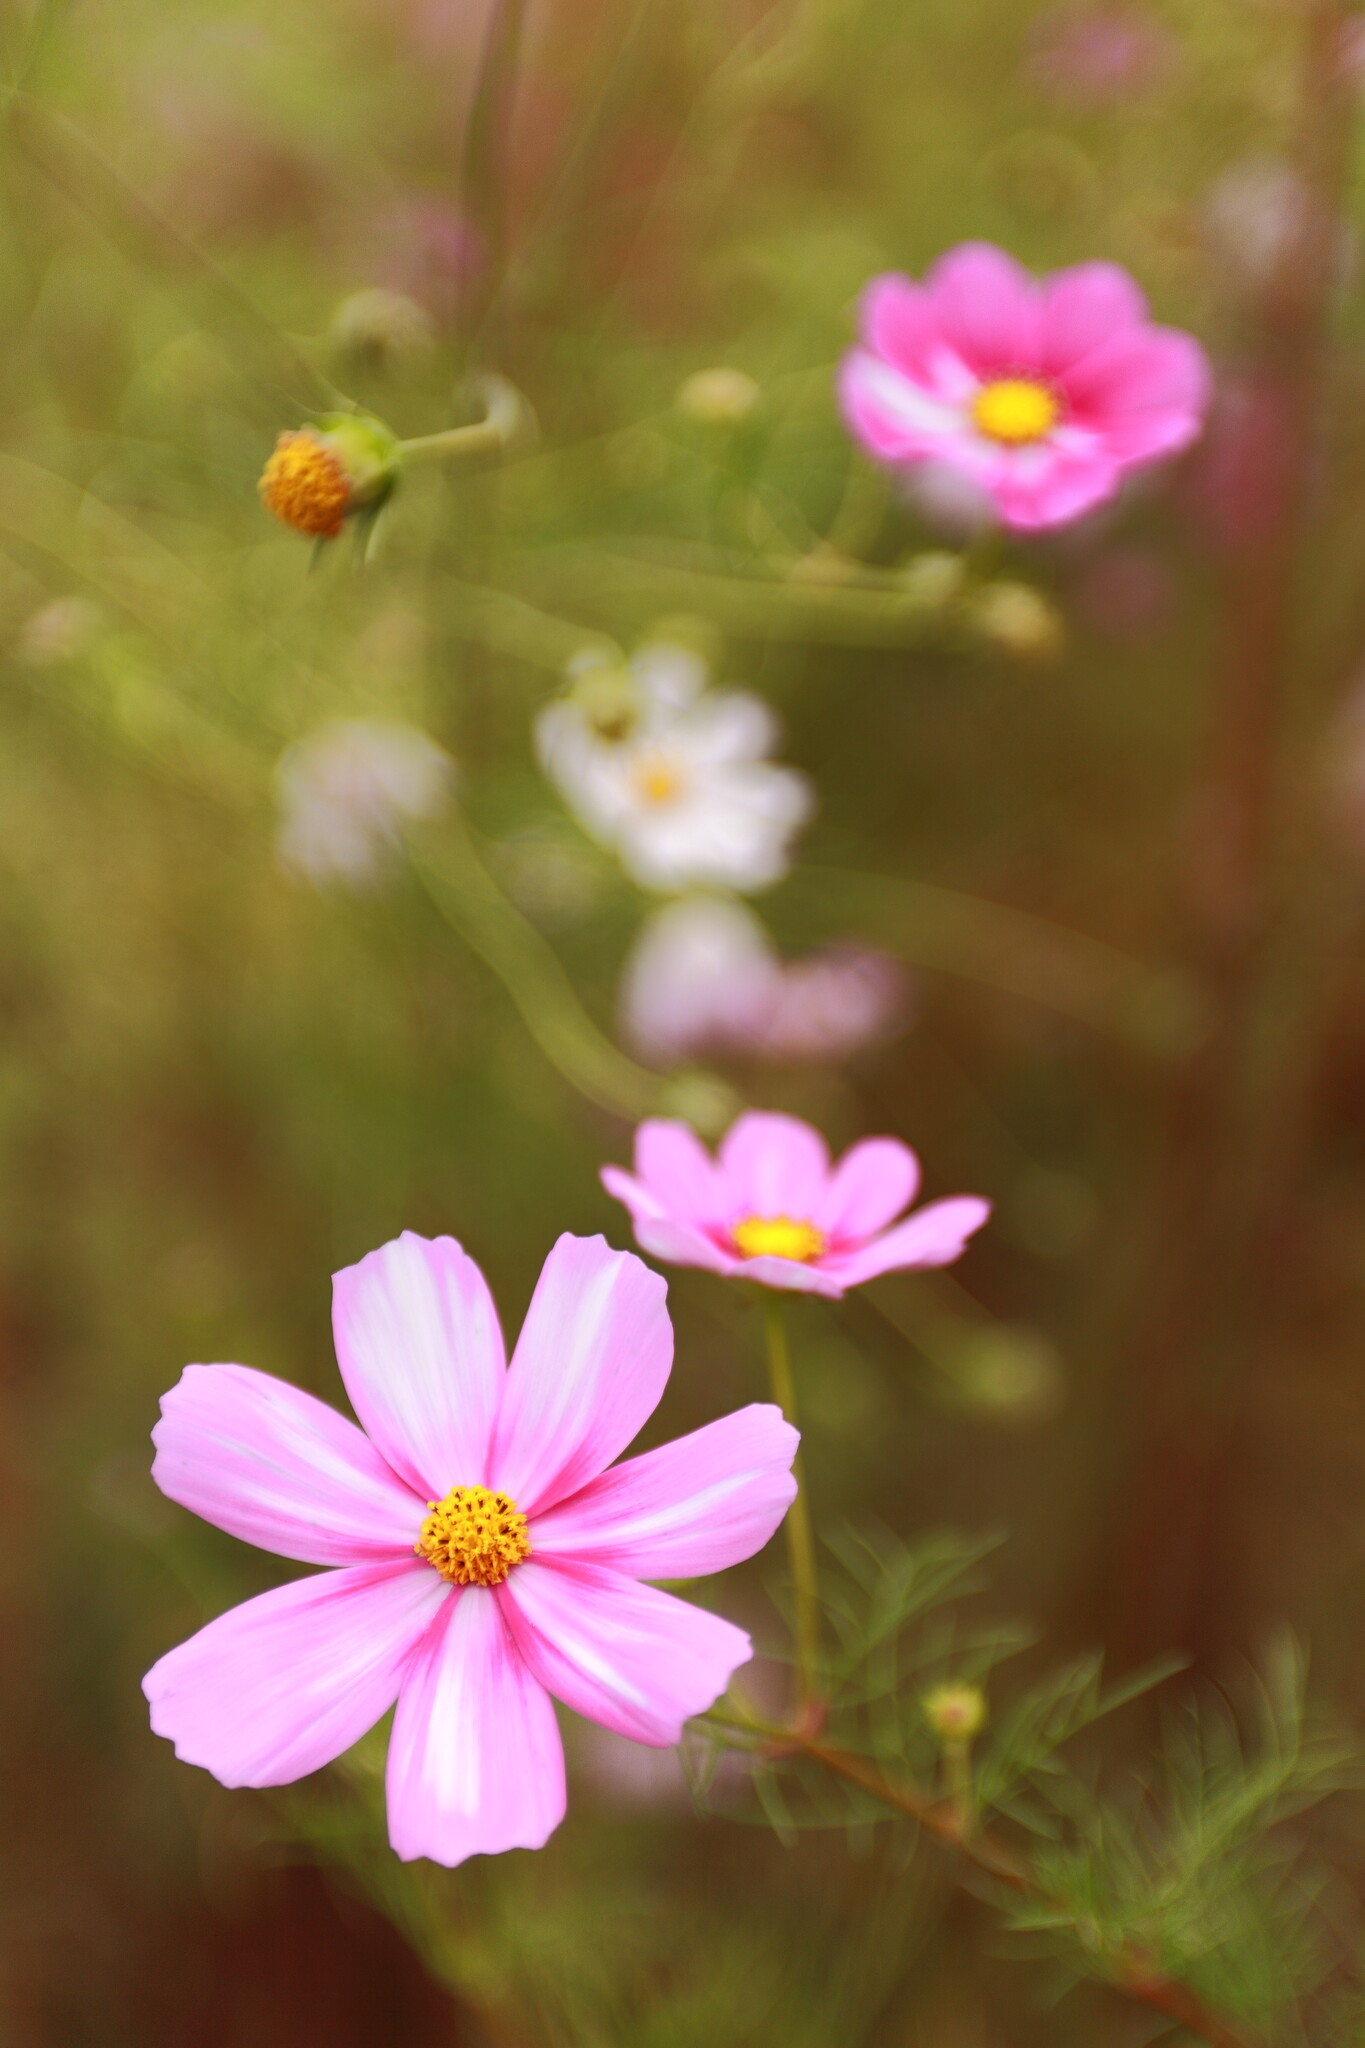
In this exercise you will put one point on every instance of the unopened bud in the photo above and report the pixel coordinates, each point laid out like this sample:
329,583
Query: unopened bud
321,474
825,566
1018,620
955,1712
934,580
382,330
718,398
605,697
61,630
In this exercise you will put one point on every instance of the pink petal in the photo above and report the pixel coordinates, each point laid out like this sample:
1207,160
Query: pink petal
475,1760
1145,390
591,1363
988,307
899,324
873,1183
933,1237
698,1505
1083,307
283,1684
682,1244
627,1655
794,1276
773,1166
895,418
1049,485
421,1353
677,1169
271,1464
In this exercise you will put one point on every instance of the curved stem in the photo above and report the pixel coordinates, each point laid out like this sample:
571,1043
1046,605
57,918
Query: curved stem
800,1536
529,969
507,419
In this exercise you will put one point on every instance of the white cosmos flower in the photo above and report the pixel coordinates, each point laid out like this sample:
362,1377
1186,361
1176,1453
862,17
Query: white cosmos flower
673,778
346,790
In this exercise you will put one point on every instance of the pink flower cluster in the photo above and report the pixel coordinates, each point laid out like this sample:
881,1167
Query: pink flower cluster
1042,395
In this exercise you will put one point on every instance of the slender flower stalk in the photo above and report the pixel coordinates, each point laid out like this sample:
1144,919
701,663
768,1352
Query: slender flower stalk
981,1853
800,1535
507,419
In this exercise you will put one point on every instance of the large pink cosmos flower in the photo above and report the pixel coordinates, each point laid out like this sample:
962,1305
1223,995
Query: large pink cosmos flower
1042,394
771,1208
484,1556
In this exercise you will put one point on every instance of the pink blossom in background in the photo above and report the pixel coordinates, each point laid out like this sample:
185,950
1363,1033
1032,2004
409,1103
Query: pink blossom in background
1099,55
1041,394
770,1207
485,1553
704,978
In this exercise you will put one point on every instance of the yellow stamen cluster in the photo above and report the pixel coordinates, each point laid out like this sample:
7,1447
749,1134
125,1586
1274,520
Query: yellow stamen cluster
306,486
1015,411
474,1536
658,780
779,1237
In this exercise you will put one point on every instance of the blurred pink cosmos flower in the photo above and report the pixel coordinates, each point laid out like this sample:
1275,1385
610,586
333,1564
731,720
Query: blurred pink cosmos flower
1097,56
484,1555
1040,394
705,978
770,1207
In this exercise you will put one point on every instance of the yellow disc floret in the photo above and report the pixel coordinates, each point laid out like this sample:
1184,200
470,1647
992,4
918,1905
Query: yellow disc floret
474,1536
658,780
1015,411
306,485
778,1237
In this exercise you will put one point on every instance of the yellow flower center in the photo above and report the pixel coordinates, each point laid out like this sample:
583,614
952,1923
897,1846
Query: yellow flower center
658,780
305,485
1015,410
473,1536
778,1237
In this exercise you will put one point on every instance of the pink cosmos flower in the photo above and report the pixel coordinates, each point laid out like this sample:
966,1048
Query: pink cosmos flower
771,1208
1040,394
483,1556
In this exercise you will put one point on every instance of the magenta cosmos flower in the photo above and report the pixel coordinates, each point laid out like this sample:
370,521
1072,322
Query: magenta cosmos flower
483,1555
770,1206
1042,394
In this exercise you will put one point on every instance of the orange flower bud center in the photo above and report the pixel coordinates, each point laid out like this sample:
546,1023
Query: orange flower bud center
778,1237
306,486
1015,411
474,1536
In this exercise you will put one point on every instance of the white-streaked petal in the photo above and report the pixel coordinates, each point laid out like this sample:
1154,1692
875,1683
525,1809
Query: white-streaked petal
588,1371
627,1655
280,1469
284,1683
700,1504
476,1765
421,1353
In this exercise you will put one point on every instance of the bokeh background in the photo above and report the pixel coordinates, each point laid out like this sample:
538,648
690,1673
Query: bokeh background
219,1082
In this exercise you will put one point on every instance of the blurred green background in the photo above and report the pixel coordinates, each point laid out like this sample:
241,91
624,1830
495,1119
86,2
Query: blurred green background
218,1083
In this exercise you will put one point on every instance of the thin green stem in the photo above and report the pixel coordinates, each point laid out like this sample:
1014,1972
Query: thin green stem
800,1536
507,419
526,964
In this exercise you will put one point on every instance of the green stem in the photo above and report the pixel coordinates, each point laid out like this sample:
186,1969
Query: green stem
800,1536
526,964
507,418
